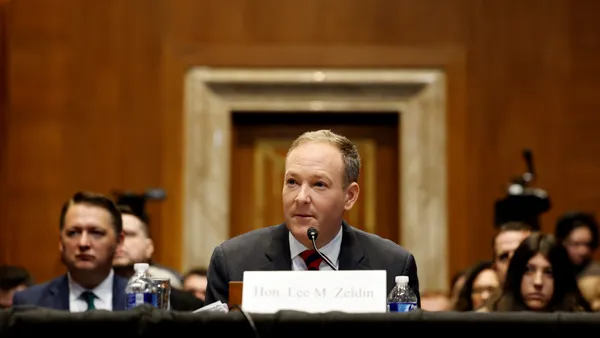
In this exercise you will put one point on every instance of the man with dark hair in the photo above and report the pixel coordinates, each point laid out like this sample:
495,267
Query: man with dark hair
138,248
12,279
578,232
90,234
195,282
506,241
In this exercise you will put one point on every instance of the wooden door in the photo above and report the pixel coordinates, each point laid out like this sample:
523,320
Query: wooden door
260,143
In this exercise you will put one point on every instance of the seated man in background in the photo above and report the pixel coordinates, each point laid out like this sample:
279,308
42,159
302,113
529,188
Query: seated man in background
12,279
138,248
195,282
90,235
504,244
320,184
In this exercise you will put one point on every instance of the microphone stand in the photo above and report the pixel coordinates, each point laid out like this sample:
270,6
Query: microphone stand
312,234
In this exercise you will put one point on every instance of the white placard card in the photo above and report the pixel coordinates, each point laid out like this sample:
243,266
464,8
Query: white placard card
352,291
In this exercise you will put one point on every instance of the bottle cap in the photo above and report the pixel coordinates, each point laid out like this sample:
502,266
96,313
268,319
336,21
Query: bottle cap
401,279
141,266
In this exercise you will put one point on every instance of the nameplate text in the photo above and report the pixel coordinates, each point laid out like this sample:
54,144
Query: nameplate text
357,291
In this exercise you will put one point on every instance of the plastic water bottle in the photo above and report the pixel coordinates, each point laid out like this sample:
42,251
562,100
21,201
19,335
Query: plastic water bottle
140,288
401,298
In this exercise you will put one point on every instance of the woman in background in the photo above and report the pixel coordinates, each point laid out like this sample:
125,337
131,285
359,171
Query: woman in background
480,284
540,278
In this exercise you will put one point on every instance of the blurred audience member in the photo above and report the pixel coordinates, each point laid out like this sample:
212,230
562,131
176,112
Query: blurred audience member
481,283
456,284
578,232
508,238
12,279
195,282
138,247
590,289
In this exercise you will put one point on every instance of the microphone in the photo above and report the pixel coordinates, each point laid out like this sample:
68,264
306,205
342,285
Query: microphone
528,156
312,234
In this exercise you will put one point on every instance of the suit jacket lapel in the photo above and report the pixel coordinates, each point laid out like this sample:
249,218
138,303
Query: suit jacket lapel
118,295
278,250
352,256
279,257
57,296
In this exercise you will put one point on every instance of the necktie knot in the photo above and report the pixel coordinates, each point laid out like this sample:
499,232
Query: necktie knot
312,259
89,297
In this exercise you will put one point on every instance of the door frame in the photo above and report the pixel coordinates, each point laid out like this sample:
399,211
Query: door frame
419,95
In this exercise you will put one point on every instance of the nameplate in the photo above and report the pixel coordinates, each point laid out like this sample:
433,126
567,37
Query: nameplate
352,291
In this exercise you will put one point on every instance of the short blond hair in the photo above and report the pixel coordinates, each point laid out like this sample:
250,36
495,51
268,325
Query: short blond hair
349,151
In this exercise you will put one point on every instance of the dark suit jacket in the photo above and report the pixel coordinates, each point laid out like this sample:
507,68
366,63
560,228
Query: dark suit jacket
268,249
55,294
184,301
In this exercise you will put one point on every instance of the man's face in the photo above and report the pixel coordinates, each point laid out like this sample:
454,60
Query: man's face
88,240
579,245
313,194
196,284
137,247
504,247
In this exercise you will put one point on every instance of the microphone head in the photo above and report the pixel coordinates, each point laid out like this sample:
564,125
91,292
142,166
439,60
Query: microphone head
312,233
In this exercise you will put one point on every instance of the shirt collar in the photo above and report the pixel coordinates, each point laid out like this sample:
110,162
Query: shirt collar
103,291
331,250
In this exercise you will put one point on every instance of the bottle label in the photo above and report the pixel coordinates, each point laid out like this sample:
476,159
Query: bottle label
401,307
137,299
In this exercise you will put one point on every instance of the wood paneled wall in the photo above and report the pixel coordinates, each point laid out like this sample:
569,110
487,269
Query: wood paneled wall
95,99
4,249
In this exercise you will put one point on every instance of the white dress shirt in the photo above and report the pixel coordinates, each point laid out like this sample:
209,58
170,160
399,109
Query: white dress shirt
331,251
103,292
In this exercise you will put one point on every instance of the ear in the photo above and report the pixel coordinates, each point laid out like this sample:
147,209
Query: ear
351,195
61,248
149,248
120,240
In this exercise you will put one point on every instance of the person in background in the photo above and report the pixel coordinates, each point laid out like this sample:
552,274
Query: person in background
578,232
590,289
136,204
504,244
456,284
195,282
481,283
138,248
540,278
90,235
12,279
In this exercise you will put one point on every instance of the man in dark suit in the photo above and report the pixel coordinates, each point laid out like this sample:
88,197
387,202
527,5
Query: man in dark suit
321,175
90,234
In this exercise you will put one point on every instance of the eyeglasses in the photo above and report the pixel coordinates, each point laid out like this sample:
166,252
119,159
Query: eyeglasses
578,244
481,289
